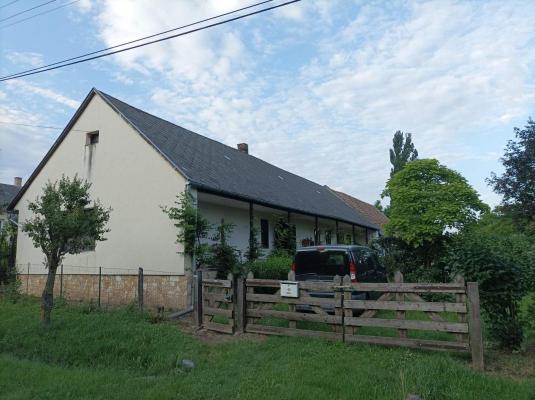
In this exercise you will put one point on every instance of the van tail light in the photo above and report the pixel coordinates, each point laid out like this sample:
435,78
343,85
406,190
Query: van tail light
293,268
353,271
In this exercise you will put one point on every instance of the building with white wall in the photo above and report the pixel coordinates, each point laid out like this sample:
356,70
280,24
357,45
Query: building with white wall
136,163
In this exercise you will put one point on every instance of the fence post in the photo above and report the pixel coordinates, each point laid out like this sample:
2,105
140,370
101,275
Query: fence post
198,300
339,305
99,284
140,288
61,282
474,326
239,311
248,305
348,312
291,307
398,278
28,279
460,298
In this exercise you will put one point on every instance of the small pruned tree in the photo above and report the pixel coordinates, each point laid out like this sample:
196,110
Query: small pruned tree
254,250
192,228
65,221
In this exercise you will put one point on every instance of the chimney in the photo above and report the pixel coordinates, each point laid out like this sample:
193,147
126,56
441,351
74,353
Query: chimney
243,147
17,181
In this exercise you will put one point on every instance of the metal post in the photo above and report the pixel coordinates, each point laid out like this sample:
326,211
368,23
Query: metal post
366,233
198,301
99,284
251,226
140,288
28,279
337,233
353,231
61,282
316,232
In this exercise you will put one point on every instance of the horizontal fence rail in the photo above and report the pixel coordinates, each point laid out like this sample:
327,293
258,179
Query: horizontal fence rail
435,316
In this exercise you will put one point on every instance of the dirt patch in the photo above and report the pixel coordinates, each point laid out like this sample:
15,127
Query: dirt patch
515,365
187,325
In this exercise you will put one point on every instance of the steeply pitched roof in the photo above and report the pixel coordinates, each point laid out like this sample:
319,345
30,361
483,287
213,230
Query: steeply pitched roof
7,194
214,167
371,213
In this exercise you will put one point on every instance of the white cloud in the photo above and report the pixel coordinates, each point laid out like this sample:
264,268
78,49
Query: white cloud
25,59
24,86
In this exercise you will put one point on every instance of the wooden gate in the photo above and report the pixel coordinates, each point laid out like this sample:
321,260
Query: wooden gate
217,300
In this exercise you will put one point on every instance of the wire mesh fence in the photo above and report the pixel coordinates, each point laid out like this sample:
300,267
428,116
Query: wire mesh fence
143,287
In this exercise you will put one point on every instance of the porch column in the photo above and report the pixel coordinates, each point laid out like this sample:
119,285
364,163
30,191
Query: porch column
366,233
353,231
337,233
251,226
316,232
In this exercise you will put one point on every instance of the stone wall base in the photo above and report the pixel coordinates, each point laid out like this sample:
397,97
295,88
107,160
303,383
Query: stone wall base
168,291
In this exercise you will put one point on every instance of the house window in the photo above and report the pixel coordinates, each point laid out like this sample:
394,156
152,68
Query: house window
264,233
91,138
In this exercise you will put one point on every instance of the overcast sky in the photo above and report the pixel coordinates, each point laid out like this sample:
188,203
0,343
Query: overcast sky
317,88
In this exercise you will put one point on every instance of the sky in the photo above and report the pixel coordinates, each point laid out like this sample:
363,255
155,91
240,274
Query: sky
317,87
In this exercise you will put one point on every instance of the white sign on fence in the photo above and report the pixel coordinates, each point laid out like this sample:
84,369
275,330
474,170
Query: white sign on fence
289,289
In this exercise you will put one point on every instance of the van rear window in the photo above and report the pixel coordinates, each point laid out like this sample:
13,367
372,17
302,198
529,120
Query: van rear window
322,262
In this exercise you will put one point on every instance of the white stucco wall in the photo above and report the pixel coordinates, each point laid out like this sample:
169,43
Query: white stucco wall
126,174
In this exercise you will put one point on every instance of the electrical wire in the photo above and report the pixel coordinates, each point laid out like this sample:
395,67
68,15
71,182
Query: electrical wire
39,14
136,40
19,75
28,10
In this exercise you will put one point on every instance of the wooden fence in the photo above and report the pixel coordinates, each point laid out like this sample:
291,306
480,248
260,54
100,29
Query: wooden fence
436,316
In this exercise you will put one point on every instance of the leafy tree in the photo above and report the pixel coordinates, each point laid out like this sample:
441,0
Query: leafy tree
192,228
517,183
429,200
284,238
254,250
65,221
402,151
224,258
503,263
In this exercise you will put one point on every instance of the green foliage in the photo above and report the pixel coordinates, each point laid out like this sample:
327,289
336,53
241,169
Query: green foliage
284,238
275,266
65,220
517,183
402,151
222,255
254,250
6,275
121,355
503,265
427,200
192,227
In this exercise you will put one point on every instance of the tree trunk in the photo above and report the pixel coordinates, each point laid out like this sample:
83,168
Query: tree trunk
47,298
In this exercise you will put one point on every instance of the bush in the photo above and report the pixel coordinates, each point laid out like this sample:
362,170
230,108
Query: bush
276,266
502,265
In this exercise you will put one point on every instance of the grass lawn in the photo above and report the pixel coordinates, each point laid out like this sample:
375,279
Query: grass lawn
121,354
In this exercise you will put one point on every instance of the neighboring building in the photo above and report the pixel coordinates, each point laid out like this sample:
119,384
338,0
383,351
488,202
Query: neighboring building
366,209
7,194
137,163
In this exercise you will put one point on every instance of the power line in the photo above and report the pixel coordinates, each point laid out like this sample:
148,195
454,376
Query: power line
19,75
136,40
8,4
39,14
40,126
28,10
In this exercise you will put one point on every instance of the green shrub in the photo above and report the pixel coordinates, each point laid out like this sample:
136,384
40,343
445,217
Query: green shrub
502,265
275,266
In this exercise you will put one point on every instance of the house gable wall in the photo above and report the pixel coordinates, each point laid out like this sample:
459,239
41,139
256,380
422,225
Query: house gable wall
128,175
